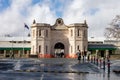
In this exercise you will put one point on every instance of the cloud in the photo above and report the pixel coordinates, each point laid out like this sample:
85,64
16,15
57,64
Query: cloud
98,13
41,13
12,18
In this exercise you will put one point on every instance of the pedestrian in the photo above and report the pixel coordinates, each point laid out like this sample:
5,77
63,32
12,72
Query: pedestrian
62,54
79,55
12,55
88,56
83,55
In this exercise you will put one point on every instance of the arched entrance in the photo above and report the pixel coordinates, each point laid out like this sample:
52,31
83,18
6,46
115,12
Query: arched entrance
59,49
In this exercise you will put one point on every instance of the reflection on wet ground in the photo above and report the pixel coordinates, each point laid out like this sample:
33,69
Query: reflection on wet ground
53,69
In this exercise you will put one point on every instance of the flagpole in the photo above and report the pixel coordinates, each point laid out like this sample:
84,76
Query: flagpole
25,26
23,39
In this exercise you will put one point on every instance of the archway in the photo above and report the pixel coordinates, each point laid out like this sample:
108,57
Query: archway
59,49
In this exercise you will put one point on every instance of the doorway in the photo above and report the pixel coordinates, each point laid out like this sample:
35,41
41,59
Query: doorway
59,50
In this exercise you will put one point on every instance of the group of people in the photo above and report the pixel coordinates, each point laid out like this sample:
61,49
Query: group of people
82,55
59,55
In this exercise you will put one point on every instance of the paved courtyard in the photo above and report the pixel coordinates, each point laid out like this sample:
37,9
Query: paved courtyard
54,69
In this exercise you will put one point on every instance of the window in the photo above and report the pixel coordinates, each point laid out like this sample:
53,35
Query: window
46,48
71,32
78,48
78,32
39,48
46,33
39,32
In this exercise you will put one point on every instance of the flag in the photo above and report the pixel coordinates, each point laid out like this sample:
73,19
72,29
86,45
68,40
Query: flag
26,26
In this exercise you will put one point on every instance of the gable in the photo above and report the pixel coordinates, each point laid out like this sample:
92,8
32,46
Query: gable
59,24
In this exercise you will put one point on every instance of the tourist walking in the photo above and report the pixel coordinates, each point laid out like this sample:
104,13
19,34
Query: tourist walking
79,55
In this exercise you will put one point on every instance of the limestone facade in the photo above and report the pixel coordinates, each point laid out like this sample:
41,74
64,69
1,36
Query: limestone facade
49,40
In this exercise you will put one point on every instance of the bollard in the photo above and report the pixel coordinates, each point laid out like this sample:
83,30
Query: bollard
100,62
94,59
108,63
91,59
104,63
88,58
83,58
97,61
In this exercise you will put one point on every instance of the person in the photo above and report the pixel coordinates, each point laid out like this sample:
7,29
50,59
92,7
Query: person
79,55
12,55
88,56
61,54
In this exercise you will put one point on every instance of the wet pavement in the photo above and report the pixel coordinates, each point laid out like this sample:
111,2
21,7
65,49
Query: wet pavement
55,69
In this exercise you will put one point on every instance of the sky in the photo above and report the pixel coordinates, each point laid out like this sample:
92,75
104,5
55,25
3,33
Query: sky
97,13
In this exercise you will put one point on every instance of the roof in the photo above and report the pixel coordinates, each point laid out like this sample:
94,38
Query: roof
14,42
15,48
96,39
78,24
15,38
101,47
40,24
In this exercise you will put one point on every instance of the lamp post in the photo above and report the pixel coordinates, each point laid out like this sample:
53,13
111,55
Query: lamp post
11,52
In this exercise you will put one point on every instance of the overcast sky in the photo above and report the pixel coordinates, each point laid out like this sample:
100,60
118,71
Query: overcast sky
98,13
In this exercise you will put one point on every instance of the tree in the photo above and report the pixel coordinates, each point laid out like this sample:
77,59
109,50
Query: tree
113,30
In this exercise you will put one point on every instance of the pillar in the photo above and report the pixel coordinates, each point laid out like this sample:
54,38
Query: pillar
97,53
4,53
107,53
27,55
10,54
19,53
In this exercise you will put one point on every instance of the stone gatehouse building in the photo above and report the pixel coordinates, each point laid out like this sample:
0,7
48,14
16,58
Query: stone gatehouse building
49,40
